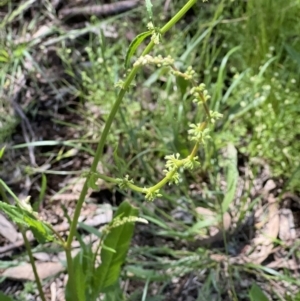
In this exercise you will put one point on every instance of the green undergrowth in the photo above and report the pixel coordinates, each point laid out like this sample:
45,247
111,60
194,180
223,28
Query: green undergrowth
248,55
251,68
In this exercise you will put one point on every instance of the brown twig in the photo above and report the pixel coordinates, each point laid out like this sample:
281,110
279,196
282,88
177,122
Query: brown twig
99,10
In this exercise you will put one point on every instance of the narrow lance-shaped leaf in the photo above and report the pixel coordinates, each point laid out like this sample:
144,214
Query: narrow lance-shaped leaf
117,239
14,213
39,229
78,292
115,294
82,272
134,45
21,216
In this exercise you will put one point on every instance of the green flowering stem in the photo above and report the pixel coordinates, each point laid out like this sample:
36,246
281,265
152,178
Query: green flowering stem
198,133
105,132
195,149
165,180
178,16
205,107
107,179
134,187
203,100
117,181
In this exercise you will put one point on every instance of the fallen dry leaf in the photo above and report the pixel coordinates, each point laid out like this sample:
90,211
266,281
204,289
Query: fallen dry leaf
261,246
24,272
287,232
42,256
283,263
7,229
53,291
102,218
270,185
216,229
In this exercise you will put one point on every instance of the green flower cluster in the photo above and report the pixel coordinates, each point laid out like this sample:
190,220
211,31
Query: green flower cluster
155,33
198,133
188,75
201,94
123,183
159,61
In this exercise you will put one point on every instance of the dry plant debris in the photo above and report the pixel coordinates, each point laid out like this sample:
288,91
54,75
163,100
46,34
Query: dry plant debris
24,271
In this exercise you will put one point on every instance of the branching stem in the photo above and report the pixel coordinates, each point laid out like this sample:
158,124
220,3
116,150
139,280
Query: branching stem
105,132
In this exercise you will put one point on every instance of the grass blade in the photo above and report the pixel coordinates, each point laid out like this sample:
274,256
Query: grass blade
134,45
232,177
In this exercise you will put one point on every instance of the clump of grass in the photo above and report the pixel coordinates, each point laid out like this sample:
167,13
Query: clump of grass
262,96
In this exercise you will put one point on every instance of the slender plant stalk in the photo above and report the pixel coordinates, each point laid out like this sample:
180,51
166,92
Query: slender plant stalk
105,132
32,262
71,275
3,194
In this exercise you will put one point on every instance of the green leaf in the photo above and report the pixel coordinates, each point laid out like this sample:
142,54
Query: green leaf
4,56
39,229
82,268
115,294
149,6
5,297
104,247
256,293
13,212
78,292
79,277
2,151
117,239
231,178
219,87
21,216
134,45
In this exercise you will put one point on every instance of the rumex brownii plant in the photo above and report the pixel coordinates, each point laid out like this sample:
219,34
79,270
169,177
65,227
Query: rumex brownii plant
87,276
